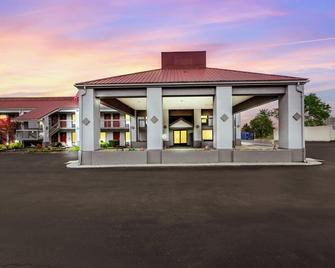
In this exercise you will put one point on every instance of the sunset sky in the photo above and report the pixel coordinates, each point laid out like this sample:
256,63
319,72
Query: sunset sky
46,46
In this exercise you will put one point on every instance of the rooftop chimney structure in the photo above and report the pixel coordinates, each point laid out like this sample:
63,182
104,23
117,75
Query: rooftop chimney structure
184,60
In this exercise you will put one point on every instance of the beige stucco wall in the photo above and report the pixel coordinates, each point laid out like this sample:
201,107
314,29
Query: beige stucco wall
320,133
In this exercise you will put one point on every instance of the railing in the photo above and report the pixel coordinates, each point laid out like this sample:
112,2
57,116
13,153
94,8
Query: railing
54,128
114,123
67,124
20,127
25,134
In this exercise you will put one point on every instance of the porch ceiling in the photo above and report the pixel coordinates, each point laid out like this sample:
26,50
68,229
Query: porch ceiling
175,103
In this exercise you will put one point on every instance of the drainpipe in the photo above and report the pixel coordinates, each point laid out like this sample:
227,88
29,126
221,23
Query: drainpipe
301,91
82,92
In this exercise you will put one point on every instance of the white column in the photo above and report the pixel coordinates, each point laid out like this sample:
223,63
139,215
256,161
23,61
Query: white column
122,138
197,128
154,118
166,126
223,123
45,127
89,121
68,120
154,125
291,120
133,128
238,129
69,138
223,118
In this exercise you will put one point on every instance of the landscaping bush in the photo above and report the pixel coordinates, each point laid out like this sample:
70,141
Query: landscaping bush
40,149
113,143
103,145
57,144
74,148
3,148
15,145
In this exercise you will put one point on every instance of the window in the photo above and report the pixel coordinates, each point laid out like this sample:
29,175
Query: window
207,135
103,136
74,138
204,119
73,123
127,136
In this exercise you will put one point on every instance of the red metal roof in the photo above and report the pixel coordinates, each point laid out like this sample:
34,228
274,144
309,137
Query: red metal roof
188,76
39,107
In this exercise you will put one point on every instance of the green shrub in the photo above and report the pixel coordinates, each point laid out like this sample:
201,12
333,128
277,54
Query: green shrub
57,144
113,143
15,145
3,148
74,148
103,145
48,149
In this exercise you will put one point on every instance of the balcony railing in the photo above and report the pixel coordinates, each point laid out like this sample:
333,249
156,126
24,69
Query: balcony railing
114,123
29,135
67,124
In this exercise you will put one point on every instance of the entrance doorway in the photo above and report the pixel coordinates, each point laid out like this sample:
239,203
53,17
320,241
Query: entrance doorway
180,137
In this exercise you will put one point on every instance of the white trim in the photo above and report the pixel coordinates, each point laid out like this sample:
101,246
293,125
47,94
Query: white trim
220,83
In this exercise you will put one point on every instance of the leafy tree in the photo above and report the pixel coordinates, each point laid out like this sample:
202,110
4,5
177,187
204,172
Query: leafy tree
274,113
246,128
262,125
7,129
316,111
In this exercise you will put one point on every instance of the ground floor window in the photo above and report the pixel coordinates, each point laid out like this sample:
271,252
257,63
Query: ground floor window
74,137
127,136
73,123
103,136
207,135
204,119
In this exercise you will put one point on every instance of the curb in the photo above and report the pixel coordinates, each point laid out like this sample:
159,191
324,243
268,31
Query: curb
308,162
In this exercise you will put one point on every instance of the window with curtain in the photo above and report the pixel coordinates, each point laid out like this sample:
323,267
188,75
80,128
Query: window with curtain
207,135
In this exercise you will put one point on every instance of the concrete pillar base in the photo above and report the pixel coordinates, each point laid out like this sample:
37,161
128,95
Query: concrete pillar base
197,144
238,142
86,157
154,156
166,144
225,155
297,155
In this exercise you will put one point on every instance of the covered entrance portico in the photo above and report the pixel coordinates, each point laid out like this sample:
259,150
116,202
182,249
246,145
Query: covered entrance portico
187,103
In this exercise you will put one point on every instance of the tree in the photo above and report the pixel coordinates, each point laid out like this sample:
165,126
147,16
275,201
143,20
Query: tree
316,111
246,128
274,113
262,125
7,129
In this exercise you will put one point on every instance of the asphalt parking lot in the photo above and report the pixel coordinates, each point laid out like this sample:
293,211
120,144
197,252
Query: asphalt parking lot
51,216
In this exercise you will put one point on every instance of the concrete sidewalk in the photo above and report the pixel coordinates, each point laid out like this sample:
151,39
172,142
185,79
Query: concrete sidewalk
308,162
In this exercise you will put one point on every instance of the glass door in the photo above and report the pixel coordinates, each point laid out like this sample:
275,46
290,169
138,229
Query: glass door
180,137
